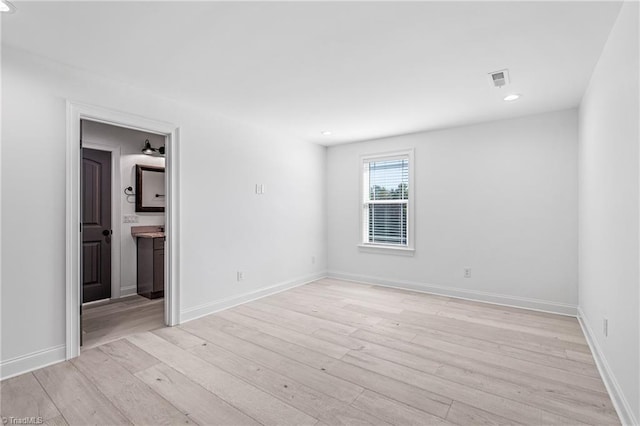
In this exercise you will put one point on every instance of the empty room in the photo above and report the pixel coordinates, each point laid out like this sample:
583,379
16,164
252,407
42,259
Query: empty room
320,213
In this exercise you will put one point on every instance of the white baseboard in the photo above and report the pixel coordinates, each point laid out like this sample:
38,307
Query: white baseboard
220,305
29,362
615,392
479,296
128,291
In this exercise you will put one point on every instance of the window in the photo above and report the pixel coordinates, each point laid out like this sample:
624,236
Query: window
387,199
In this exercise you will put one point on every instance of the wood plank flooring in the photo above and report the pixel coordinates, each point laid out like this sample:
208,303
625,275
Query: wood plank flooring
104,322
331,353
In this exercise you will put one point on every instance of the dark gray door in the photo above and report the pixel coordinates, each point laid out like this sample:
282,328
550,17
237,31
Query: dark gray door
96,225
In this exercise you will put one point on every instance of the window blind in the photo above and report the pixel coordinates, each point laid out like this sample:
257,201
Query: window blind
386,201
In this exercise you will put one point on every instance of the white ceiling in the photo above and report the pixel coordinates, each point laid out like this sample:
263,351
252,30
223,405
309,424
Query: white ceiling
360,69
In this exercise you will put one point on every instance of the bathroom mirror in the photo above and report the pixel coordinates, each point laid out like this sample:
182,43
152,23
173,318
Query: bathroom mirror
150,189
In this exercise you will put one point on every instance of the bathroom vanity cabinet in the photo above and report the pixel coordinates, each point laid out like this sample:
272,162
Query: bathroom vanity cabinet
151,267
150,263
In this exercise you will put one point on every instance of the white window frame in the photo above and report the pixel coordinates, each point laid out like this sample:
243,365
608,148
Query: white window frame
364,245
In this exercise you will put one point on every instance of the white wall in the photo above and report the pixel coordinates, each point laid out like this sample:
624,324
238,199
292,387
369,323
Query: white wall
225,226
608,254
499,198
129,143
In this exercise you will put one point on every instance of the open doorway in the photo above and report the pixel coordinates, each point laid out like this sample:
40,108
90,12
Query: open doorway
76,113
123,196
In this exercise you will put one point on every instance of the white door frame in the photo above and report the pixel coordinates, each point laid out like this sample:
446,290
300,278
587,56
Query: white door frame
78,111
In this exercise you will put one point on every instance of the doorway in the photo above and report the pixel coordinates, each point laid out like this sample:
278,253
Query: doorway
86,258
117,264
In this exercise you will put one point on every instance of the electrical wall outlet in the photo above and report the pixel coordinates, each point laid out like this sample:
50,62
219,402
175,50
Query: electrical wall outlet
130,218
240,275
467,272
259,188
605,327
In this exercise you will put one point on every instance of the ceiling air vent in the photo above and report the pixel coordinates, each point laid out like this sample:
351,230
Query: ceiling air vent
499,78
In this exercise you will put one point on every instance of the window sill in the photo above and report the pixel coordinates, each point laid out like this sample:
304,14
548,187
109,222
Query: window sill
385,249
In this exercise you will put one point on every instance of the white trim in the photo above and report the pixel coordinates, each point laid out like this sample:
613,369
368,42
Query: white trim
32,361
128,291
615,392
220,305
116,213
75,113
459,293
172,228
386,249
388,155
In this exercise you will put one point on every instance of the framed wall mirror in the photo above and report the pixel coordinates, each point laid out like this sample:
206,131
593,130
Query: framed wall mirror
150,189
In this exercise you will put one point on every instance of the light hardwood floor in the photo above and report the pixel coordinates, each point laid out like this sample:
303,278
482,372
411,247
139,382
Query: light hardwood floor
104,322
329,353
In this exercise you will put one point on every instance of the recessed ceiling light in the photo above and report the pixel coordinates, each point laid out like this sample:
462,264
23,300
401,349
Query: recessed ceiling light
6,7
512,97
327,133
